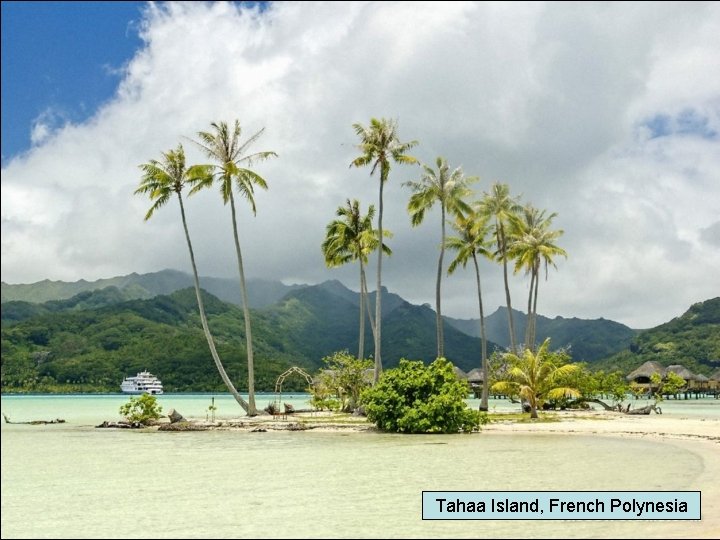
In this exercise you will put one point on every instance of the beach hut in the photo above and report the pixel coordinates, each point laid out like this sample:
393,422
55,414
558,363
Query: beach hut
459,373
714,381
475,378
642,374
685,373
703,383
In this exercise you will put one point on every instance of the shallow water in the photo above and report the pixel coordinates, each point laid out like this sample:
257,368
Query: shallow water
70,480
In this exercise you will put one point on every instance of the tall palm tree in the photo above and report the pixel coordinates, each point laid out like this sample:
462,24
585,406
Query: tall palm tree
352,238
532,244
499,206
225,147
536,377
159,181
379,144
449,188
471,241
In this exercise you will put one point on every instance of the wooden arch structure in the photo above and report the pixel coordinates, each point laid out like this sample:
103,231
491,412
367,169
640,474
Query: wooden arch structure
284,375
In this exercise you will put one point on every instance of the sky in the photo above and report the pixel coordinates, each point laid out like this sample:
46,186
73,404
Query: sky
606,113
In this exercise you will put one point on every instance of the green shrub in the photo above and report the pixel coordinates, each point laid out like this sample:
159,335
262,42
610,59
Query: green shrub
414,398
143,409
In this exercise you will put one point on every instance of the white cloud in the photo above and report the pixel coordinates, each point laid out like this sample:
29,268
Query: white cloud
557,100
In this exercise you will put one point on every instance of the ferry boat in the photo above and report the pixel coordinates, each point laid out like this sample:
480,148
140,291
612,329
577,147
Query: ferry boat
143,383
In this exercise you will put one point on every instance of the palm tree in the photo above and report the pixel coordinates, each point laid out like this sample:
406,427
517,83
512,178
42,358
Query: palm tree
159,181
532,244
379,143
499,206
352,238
225,147
471,241
535,377
449,188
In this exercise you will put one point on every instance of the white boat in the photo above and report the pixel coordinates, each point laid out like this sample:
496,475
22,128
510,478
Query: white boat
143,383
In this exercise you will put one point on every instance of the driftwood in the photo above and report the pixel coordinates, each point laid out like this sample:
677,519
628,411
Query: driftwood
184,426
121,425
35,422
645,410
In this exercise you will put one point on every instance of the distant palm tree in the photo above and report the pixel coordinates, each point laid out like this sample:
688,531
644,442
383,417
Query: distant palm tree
352,238
499,206
225,147
536,377
532,244
379,143
449,188
159,181
471,241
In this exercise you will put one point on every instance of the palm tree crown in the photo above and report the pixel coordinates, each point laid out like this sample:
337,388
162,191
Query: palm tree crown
536,377
501,208
379,144
449,188
532,244
352,238
161,179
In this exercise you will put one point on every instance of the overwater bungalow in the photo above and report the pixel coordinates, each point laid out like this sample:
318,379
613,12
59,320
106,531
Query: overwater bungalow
714,383
695,383
642,375
475,378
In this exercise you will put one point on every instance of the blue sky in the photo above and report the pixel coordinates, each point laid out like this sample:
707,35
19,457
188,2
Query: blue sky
606,113
60,61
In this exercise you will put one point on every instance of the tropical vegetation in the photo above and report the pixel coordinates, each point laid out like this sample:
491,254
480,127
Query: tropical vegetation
143,409
415,398
537,376
339,385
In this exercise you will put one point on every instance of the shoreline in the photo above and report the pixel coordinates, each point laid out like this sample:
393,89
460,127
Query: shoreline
606,423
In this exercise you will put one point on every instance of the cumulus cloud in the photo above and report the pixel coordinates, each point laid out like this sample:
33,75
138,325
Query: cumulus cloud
605,113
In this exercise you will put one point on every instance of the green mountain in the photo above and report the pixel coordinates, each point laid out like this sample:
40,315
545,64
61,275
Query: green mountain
92,349
261,292
92,340
692,340
587,340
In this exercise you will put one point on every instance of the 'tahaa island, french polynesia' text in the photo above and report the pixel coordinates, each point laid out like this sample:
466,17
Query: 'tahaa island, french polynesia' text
564,507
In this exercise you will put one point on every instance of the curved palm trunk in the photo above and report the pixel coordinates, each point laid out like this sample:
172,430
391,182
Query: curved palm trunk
378,292
483,342
252,410
503,254
438,310
361,338
203,318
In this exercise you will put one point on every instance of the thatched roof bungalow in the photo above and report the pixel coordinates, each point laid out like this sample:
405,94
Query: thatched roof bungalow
683,372
459,373
475,376
714,380
642,374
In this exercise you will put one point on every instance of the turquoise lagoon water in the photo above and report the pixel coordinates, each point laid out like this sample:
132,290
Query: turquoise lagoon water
71,480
